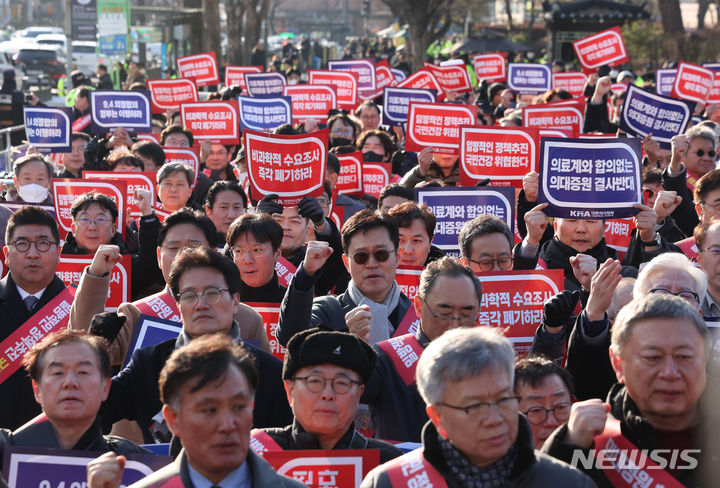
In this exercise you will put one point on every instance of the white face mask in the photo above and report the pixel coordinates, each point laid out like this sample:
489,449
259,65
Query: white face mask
292,82
32,193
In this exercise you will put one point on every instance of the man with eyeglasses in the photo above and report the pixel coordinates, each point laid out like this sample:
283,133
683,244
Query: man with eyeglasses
204,285
373,305
416,224
448,297
94,222
369,115
486,244
475,432
325,373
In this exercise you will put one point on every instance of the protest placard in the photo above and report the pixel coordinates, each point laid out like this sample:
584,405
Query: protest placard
452,78
590,178
566,116
604,48
285,271
646,113
572,82
264,84
376,176
350,179
235,75
556,133
503,154
692,82
714,97
408,279
400,75
338,468
135,181
345,83
188,156
365,69
264,114
423,79
70,269
270,313
396,101
66,191
199,67
292,166
490,67
384,76
48,129
437,125
618,233
453,207
311,102
529,77
170,94
150,331
664,81
212,121
110,109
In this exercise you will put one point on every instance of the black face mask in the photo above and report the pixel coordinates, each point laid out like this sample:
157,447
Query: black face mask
340,141
373,157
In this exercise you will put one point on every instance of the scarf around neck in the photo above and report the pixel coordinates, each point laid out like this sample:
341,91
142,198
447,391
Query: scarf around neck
380,327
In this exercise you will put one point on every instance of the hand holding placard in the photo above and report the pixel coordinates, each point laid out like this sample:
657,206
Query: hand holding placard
584,267
602,288
106,471
358,321
270,205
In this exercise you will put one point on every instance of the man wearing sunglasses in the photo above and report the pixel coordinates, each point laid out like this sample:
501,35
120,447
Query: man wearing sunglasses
373,305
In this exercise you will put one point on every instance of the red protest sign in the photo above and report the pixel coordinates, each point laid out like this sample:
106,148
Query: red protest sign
345,83
70,269
170,94
290,166
311,101
152,137
555,116
189,156
452,78
437,125
66,191
235,75
423,79
383,77
503,154
350,179
285,271
692,82
200,67
556,133
324,468
604,48
134,180
408,279
376,176
514,301
618,233
573,82
490,67
270,313
216,120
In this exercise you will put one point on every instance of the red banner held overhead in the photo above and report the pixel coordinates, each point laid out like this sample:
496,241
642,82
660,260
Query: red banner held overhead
618,233
604,48
423,79
384,77
214,121
693,82
376,176
437,125
170,94
490,67
290,166
350,179
134,180
66,191
345,83
503,154
311,101
235,75
566,116
200,67
70,269
452,78
572,82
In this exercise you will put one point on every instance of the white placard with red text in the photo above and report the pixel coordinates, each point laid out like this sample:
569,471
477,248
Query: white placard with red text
490,67
604,48
692,82
214,121
345,83
555,116
70,269
437,125
134,180
200,67
170,94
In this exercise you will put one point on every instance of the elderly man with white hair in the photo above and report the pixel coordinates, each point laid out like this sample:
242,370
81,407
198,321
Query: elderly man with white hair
475,436
659,352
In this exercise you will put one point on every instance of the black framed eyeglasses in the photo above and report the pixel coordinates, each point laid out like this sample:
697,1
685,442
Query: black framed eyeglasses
482,409
537,415
684,294
700,153
380,255
317,383
504,262
464,319
42,245
211,295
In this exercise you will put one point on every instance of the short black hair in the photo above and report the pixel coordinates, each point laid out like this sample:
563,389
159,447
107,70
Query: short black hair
710,181
187,216
481,226
405,213
366,220
128,158
261,226
203,257
533,370
31,215
333,163
87,199
30,158
221,186
176,129
151,150
32,361
395,190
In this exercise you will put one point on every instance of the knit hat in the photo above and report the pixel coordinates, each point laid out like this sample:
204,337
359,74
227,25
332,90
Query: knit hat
314,346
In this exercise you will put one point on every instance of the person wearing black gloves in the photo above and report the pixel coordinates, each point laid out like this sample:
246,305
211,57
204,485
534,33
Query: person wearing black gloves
557,314
295,222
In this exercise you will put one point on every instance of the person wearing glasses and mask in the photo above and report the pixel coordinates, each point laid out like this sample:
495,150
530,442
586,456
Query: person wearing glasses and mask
475,435
205,286
325,373
372,307
342,130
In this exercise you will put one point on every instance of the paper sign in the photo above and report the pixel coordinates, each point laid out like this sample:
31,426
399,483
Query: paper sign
187,156
664,81
384,76
692,82
618,233
70,269
264,84
572,82
264,114
311,102
453,207
345,83
490,67
285,271
396,101
365,68
134,180
338,468
556,133
714,96
215,121
200,67
408,279
646,113
423,79
150,136
150,331
604,48
452,78
291,166
437,125
529,77
350,179
376,176
514,300
128,109
170,94
399,74
49,128
505,155
554,116
235,75
270,313
590,178
66,191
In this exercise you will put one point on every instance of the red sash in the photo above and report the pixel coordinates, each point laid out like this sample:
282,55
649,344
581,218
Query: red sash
404,352
80,123
161,305
412,469
54,316
689,248
409,324
628,469
260,442
285,271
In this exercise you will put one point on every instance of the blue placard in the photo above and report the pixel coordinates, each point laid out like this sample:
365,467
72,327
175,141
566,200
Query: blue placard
49,128
28,466
129,109
529,77
149,331
264,113
396,101
365,68
399,74
453,207
264,84
646,113
590,178
664,81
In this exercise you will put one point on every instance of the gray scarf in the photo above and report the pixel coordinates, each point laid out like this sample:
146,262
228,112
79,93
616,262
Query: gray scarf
184,338
380,327
495,475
